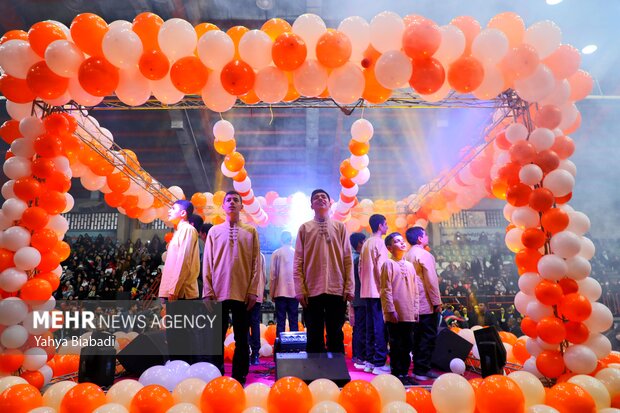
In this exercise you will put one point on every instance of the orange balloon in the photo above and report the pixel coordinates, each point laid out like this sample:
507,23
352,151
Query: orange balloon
528,326
10,360
41,34
568,285
289,394
548,293
275,27
14,35
154,64
518,195
333,49
527,259
53,202
202,28
508,338
551,330
45,83
241,175
58,181
82,398
20,398
146,25
71,147
465,74
98,77
87,31
470,28
114,199
428,75
118,182
34,218
576,332
358,148
563,146
550,363
63,250
34,378
541,199
420,400
520,351
520,62
237,77
51,278
35,290
151,399
575,307
199,200
9,131
511,24
421,39
49,261
225,147
189,75
16,90
359,396
499,187
547,160
250,98
48,145
218,197
6,258
291,94
288,51
42,167
374,92
554,220
44,240
347,170
270,334
222,395
570,398
27,188
346,182
236,33
234,161
497,391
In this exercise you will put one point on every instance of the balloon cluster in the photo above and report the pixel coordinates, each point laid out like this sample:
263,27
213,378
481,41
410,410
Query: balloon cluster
233,167
354,171
280,62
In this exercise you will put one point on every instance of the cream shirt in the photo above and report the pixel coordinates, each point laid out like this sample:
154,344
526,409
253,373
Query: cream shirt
180,274
231,266
323,262
281,273
372,256
399,290
425,267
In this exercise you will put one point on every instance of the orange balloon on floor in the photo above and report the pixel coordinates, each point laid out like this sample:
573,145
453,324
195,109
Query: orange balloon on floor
289,394
498,391
151,399
223,395
82,398
420,400
570,398
359,396
20,398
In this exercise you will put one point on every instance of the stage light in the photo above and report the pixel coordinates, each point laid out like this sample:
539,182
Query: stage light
589,49
300,211
553,2
265,4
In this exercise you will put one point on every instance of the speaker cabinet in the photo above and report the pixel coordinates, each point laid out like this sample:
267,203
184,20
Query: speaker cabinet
448,346
146,350
492,351
312,366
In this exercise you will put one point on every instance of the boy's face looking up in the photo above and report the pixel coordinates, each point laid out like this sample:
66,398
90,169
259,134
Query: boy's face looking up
398,244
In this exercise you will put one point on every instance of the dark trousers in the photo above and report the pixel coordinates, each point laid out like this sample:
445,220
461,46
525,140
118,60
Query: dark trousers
255,328
424,335
376,344
286,307
401,343
325,312
187,344
359,333
241,324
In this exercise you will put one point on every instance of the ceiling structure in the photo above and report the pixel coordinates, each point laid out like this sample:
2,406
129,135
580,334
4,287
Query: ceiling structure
299,148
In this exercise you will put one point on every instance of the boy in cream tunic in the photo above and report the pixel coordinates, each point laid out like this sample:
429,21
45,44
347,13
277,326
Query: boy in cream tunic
323,274
231,271
400,300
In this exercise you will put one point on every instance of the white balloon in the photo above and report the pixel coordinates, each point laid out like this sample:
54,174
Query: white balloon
600,320
489,46
507,211
10,381
80,95
530,366
452,392
223,131
537,310
119,408
452,44
255,49
177,38
594,388
14,208
552,267
17,167
590,288
357,30
362,177
599,344
393,69
565,244
545,36
243,186
530,385
542,138
525,217
271,84
214,96
165,91
14,337
12,311
216,49
530,174
362,130
579,223
7,189
122,47
17,57
569,166
537,86
359,162
386,31
578,268
559,182
226,172
528,282
310,79
310,27
346,84
610,378
457,366
31,127
27,258
59,225
34,358
513,239
133,88
580,359
516,132
15,238
390,388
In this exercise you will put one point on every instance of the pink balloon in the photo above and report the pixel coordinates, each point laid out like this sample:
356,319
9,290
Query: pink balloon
581,84
548,116
564,61
511,24
470,27
520,61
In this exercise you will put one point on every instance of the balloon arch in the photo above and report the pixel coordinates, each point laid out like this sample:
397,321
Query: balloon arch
533,79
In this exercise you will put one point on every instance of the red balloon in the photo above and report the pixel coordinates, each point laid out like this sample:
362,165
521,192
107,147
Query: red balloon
576,332
53,202
554,220
465,74
548,292
43,167
550,363
45,83
41,34
16,90
528,326
98,77
547,160
154,64
44,240
568,285
9,131
27,189
533,238
237,77
48,146
421,39
428,75
518,195
522,152
527,259
36,289
34,218
541,199
189,75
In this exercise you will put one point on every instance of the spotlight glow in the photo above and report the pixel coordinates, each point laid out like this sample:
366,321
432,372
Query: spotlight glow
299,212
553,2
589,49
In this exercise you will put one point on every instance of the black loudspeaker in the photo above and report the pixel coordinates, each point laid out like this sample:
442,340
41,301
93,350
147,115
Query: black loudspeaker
448,346
492,351
146,350
291,342
98,362
312,366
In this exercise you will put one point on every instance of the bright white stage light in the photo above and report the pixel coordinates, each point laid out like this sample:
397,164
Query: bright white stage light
299,212
553,2
589,49
265,4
